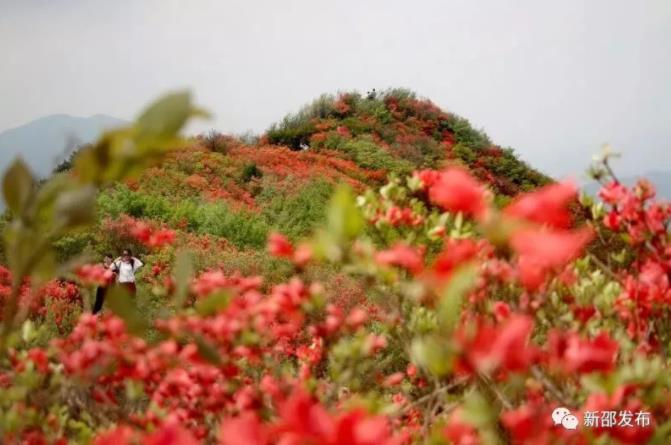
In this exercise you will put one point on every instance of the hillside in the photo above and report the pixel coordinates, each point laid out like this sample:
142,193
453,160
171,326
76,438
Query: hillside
418,311
223,196
45,141
220,191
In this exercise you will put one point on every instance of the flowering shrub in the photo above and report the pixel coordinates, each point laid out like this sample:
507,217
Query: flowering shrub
394,131
420,312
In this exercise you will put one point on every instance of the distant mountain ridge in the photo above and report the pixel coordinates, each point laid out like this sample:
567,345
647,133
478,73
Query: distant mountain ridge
45,141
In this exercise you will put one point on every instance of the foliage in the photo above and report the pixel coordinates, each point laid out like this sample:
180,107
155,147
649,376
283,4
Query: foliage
296,215
395,131
423,311
250,171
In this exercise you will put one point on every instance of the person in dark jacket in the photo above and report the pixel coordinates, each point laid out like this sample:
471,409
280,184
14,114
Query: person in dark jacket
102,289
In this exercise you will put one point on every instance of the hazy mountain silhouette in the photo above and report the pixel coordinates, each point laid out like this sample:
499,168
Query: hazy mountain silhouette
42,143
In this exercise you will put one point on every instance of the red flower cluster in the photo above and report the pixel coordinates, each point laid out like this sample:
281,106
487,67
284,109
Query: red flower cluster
644,224
94,274
146,233
472,338
403,256
505,347
304,421
455,190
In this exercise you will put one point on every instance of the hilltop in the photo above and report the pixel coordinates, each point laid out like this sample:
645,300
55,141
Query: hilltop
237,191
396,131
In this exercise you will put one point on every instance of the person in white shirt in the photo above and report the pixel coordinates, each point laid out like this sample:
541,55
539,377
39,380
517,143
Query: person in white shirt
126,266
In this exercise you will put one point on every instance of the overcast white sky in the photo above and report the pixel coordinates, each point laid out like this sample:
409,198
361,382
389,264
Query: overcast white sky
553,79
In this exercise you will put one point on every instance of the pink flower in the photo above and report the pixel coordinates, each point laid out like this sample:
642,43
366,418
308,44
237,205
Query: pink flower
393,379
613,193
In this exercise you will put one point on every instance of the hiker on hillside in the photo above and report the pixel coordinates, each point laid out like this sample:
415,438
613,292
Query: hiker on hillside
126,266
102,289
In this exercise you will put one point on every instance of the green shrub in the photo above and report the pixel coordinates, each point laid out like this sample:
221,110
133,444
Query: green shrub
296,129
296,215
121,200
465,153
367,154
67,247
241,228
465,134
250,171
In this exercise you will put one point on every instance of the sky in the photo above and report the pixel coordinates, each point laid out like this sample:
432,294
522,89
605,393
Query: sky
552,79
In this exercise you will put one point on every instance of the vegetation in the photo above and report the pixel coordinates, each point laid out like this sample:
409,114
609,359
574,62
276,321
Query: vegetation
400,281
395,131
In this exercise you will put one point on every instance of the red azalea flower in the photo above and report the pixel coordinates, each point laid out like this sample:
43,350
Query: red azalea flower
505,346
459,432
246,429
279,246
548,205
573,354
94,274
402,255
540,251
456,190
455,253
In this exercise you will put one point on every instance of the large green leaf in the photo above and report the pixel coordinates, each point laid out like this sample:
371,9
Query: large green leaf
345,220
166,117
433,354
451,300
75,208
18,186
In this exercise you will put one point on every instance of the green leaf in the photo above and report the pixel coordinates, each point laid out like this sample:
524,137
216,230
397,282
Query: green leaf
166,117
75,208
477,410
45,268
433,355
183,273
207,351
449,307
28,331
18,186
213,303
345,220
123,305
